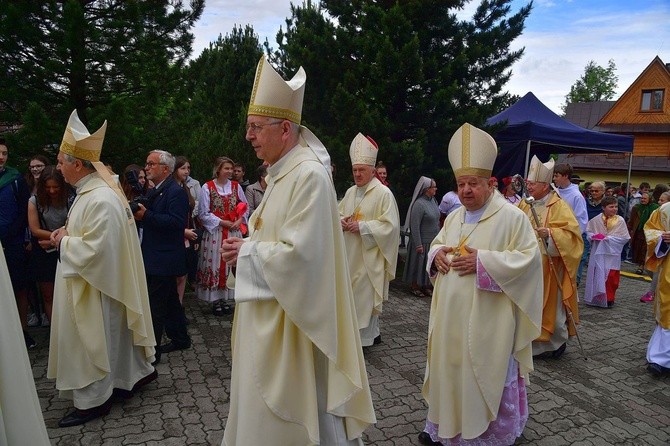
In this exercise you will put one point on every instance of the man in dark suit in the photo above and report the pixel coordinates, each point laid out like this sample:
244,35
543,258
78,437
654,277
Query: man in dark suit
164,219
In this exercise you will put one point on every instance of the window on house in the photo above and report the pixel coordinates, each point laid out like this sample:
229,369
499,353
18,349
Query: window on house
652,100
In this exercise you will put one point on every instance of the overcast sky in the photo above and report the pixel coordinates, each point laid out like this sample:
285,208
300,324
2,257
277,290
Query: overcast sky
560,38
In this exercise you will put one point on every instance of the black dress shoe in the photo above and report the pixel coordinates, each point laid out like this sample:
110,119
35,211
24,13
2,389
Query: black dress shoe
559,351
151,377
657,370
378,340
128,394
172,346
77,417
424,438
157,358
610,304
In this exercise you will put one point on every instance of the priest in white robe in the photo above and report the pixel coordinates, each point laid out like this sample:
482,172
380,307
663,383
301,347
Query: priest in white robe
21,420
298,374
102,340
486,308
371,226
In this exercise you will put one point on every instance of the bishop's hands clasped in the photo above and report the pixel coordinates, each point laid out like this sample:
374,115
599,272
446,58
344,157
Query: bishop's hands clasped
448,258
349,224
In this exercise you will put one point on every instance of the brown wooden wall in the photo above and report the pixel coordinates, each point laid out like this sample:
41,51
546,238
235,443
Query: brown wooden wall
627,108
652,145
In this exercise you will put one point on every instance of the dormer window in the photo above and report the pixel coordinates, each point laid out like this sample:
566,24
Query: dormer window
652,100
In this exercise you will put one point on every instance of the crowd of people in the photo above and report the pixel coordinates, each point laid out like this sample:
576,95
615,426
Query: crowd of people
106,260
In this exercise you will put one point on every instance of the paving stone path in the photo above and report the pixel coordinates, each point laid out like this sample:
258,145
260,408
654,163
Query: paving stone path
609,399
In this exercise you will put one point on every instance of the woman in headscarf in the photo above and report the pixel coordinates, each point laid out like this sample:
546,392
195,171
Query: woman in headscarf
638,217
422,223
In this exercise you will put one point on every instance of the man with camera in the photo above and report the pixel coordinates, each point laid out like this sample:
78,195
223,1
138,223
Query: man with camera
164,218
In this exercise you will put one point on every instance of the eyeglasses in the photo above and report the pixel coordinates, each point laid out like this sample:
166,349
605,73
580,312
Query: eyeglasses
151,164
37,167
255,128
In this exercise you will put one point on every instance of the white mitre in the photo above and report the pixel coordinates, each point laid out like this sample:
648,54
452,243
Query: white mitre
472,152
363,150
539,172
273,97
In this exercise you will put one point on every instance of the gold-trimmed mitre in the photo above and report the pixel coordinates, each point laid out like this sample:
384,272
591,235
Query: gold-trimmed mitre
274,97
472,152
363,151
539,172
78,142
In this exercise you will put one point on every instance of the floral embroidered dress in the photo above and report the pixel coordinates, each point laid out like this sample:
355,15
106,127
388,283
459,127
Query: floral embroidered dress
216,203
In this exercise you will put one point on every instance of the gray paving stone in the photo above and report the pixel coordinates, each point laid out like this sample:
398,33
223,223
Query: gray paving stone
608,399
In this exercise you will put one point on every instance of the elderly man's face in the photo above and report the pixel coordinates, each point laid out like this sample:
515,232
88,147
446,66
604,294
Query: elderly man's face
156,171
596,193
537,190
266,136
363,174
474,191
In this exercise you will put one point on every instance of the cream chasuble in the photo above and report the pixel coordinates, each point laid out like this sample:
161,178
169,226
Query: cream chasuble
294,295
21,420
373,253
659,222
100,255
472,332
565,247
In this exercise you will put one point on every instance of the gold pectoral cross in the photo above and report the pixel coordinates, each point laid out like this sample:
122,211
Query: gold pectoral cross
357,216
258,223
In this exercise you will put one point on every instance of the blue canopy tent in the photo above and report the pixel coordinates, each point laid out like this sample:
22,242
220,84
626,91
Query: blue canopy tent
532,129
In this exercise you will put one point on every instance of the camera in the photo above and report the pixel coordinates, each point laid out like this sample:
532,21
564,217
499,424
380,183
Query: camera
133,179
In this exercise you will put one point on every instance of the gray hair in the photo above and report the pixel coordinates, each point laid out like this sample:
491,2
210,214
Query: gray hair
71,159
165,158
599,184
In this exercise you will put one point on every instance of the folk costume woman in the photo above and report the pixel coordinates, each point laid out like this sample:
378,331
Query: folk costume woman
221,216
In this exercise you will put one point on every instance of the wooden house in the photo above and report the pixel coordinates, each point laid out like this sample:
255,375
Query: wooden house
642,111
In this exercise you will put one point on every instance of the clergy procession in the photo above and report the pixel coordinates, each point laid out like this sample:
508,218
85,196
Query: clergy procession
300,333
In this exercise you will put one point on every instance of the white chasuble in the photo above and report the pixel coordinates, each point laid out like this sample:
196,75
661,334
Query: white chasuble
372,253
100,258
295,296
21,420
473,332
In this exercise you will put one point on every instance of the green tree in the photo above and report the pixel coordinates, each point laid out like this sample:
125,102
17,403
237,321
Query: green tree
596,84
407,73
108,59
212,118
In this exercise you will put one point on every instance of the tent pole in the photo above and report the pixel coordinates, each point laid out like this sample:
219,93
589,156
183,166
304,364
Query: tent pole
525,170
630,168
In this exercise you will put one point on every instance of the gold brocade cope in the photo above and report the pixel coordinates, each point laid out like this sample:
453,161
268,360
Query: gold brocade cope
566,237
659,222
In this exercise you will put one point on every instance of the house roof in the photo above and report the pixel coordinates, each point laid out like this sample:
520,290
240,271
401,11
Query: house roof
587,114
615,162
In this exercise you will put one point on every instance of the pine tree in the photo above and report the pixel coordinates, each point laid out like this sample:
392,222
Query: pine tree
114,60
217,88
408,73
